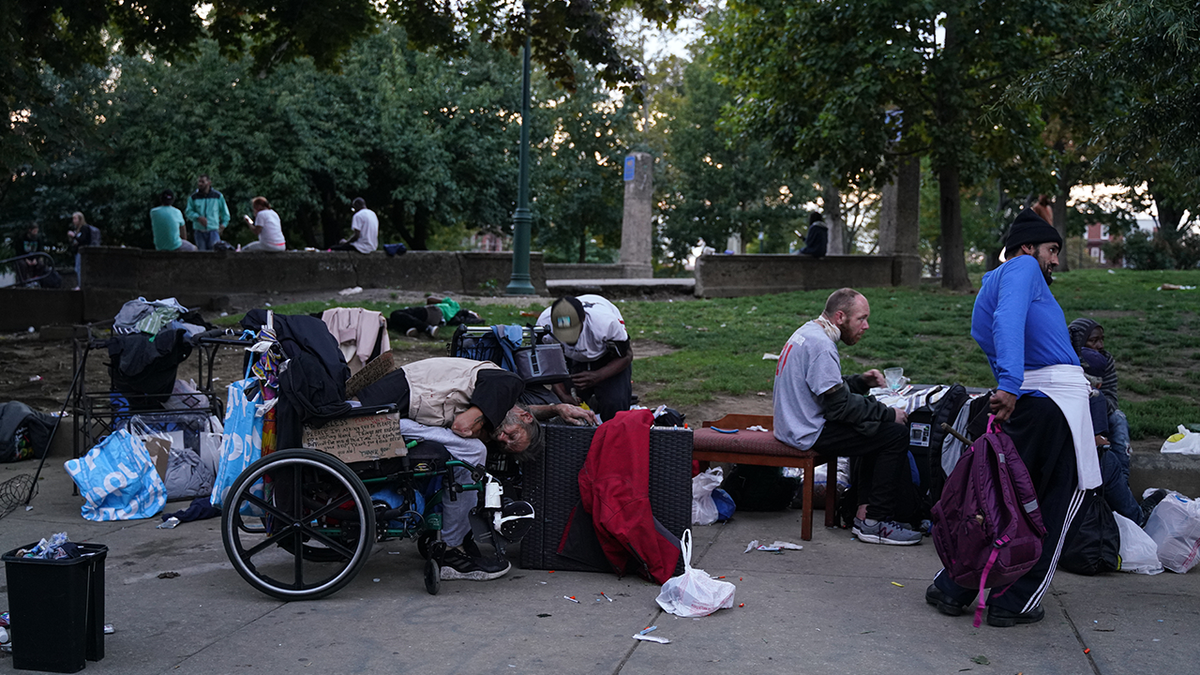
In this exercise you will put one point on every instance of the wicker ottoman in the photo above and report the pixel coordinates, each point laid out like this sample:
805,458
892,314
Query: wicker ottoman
551,484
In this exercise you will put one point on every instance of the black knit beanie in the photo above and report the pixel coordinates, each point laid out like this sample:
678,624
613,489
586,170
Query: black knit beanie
1030,228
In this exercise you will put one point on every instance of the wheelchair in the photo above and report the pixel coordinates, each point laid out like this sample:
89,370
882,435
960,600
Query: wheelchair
299,524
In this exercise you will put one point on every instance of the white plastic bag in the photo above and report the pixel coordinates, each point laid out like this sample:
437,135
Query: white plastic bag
1139,553
694,593
1185,442
704,509
1174,526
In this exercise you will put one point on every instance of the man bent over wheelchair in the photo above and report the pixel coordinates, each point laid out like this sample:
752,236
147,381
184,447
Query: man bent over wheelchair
477,401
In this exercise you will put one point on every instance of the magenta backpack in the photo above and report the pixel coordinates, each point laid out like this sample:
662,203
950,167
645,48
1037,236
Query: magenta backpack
987,527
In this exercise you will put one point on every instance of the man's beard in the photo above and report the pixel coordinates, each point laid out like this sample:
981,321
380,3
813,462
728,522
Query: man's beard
1049,274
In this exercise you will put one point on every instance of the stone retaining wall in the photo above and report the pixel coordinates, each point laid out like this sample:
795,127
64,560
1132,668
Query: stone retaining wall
731,276
115,275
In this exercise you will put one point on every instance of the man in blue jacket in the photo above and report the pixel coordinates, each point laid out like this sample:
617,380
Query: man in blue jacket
209,214
1041,401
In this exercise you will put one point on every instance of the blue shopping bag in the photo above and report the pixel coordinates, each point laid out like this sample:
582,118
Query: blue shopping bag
117,480
243,437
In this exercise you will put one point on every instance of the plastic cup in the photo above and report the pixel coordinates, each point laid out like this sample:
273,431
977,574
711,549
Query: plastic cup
894,378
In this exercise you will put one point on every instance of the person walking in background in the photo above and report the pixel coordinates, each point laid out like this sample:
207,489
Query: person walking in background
1041,400
816,242
209,213
166,221
364,237
267,226
81,235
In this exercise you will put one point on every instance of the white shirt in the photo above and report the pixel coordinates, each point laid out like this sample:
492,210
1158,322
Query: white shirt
366,224
602,324
272,232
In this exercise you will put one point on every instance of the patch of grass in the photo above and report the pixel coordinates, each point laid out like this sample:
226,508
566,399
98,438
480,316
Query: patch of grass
1158,418
720,342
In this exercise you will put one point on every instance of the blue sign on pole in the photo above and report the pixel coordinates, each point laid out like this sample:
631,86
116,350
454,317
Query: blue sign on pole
630,167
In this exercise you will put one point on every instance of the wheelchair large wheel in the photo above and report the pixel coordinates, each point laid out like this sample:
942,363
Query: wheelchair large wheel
298,525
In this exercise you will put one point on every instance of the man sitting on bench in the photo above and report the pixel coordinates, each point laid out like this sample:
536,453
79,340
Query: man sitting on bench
477,401
817,409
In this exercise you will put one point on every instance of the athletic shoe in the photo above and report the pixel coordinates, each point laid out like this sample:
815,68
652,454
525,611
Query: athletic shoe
456,564
944,603
884,532
432,331
411,332
1149,503
1003,618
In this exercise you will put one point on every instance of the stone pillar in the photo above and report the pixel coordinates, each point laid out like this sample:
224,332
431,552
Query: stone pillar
899,223
636,231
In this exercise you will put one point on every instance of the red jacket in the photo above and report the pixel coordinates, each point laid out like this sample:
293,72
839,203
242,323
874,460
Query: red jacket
614,485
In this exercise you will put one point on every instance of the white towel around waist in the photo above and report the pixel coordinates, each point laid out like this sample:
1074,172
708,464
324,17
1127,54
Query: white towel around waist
1068,388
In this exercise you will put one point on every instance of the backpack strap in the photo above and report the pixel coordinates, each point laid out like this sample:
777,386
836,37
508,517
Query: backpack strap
983,578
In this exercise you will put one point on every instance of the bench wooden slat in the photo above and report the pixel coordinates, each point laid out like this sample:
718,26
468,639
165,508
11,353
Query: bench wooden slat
759,449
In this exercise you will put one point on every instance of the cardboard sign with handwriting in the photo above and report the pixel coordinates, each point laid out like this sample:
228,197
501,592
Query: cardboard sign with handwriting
358,439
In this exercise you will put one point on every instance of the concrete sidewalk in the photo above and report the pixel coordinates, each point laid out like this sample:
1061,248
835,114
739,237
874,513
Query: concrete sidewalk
838,606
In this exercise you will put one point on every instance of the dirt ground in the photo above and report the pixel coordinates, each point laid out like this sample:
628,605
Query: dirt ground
39,372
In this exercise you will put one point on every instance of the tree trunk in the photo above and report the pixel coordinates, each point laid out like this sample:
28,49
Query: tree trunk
1059,210
1168,215
833,218
421,221
400,219
954,264
582,245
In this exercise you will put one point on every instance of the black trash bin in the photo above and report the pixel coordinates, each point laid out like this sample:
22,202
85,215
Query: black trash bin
56,609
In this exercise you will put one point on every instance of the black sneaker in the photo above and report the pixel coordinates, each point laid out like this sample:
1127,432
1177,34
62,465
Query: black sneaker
1149,503
1003,618
456,564
944,603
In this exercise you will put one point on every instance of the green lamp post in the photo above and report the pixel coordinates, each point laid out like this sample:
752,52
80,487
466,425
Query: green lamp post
520,283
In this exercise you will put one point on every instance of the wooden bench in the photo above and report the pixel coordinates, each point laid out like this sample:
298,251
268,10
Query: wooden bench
760,448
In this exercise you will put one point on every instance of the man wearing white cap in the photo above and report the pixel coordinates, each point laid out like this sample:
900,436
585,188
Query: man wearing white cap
593,336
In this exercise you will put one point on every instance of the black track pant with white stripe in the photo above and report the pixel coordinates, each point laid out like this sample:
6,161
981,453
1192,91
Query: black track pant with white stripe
1043,439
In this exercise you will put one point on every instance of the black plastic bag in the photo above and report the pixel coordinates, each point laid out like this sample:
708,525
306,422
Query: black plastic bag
1093,542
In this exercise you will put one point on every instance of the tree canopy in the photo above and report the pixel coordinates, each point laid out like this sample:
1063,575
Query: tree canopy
848,86
39,39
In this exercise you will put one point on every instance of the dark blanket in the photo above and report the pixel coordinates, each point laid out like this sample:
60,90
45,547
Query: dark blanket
313,388
144,364
15,415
